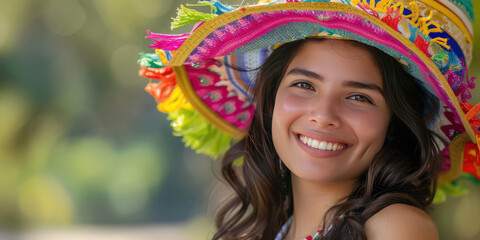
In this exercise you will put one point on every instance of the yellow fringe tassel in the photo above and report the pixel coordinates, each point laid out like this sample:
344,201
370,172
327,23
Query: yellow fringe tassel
175,102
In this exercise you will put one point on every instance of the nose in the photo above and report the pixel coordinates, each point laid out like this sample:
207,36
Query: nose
325,113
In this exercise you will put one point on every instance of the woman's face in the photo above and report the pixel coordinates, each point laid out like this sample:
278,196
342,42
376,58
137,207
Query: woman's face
330,116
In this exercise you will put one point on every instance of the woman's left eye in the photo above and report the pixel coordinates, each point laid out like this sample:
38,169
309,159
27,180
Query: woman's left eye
304,85
360,98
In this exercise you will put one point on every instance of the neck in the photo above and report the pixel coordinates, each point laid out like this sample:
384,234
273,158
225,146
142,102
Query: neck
310,203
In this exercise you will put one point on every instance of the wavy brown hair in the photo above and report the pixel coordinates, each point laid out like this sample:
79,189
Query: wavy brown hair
403,171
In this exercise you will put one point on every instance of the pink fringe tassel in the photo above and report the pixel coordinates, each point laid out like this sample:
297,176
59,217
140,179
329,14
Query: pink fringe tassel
167,41
470,84
463,89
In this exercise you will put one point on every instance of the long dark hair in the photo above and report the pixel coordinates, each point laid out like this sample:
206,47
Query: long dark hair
403,171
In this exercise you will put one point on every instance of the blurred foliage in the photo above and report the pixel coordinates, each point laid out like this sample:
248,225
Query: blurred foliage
82,143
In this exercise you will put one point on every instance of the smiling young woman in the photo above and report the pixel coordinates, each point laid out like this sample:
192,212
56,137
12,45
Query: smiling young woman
327,125
378,177
345,116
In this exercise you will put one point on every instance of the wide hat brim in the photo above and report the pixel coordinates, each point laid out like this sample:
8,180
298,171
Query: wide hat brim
435,54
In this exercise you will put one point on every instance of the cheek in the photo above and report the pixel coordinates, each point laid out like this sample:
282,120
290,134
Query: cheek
371,127
287,109
289,104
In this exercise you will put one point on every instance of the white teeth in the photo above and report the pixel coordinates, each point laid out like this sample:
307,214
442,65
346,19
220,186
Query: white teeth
329,146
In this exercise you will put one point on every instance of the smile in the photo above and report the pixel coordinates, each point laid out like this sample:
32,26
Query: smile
322,145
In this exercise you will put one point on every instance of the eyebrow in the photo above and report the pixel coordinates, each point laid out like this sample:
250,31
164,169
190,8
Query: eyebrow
361,85
306,73
351,84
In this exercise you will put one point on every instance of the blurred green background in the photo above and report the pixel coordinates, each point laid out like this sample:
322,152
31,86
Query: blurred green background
83,152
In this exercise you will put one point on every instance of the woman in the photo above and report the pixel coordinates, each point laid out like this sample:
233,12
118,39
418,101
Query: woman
342,128
367,168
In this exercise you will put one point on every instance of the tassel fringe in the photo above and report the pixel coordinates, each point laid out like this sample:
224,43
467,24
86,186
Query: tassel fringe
161,90
164,55
164,74
449,189
174,102
150,60
469,85
460,88
217,7
187,16
198,133
167,42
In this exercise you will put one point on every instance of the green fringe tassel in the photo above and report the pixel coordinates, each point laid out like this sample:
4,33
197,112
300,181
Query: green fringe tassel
450,189
198,134
151,60
213,9
187,16
455,188
471,178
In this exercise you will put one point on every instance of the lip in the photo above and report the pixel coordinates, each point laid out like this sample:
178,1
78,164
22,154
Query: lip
319,153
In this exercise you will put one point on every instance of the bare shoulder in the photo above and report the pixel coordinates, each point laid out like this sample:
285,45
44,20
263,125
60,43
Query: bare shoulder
399,222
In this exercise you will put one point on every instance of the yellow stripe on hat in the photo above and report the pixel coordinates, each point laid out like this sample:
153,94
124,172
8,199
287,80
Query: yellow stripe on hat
456,149
201,107
455,14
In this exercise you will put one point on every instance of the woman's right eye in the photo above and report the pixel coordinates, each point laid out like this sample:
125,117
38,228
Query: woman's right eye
303,85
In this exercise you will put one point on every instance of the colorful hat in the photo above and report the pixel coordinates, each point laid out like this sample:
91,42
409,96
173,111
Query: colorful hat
210,103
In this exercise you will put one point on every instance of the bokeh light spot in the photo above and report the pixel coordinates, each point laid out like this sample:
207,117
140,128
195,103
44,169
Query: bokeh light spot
43,140
124,67
3,33
43,200
63,17
465,220
14,108
127,193
151,8
90,158
138,171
